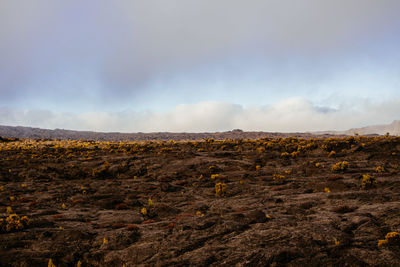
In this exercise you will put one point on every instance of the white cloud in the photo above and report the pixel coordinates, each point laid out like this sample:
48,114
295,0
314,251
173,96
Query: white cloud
291,115
51,48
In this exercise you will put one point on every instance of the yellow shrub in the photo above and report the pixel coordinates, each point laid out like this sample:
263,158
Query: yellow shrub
150,203
332,153
213,176
391,238
50,263
199,214
285,155
294,154
367,181
220,189
144,211
261,149
380,169
319,165
13,222
340,166
9,210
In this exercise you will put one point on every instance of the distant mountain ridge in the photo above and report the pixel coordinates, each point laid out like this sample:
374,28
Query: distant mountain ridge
392,129
29,132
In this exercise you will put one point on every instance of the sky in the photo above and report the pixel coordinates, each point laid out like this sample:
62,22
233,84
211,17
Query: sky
199,66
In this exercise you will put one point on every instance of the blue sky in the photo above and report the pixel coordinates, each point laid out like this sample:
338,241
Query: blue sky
199,65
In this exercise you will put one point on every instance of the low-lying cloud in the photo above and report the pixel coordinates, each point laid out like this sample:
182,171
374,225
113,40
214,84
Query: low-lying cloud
291,115
116,50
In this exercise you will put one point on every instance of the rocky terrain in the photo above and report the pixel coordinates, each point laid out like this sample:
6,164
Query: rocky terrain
235,202
29,132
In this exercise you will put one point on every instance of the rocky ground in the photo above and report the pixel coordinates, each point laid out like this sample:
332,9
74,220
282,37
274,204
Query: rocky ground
264,202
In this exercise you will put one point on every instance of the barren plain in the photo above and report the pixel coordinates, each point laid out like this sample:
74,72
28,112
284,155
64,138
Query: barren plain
234,202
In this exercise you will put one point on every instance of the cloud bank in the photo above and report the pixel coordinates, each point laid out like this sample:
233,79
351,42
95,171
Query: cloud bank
127,51
291,115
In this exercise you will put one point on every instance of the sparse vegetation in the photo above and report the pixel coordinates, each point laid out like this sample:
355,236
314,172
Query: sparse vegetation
367,181
280,178
340,166
380,169
220,189
391,239
13,223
